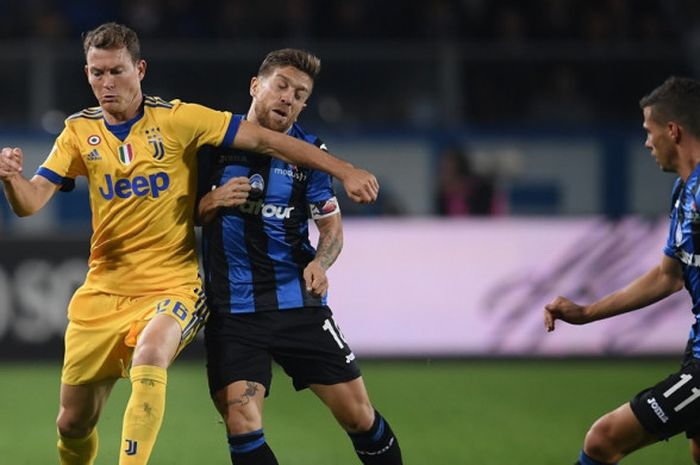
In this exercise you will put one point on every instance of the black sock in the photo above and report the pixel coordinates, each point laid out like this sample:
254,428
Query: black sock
251,449
378,446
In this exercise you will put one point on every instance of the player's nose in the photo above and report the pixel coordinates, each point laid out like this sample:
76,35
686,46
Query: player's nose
108,82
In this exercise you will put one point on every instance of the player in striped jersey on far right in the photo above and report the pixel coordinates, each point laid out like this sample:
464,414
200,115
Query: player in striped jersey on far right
672,406
266,285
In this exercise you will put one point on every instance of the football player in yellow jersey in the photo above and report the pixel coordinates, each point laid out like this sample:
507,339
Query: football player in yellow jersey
141,301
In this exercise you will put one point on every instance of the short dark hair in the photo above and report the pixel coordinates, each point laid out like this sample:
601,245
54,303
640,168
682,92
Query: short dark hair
302,60
677,99
113,35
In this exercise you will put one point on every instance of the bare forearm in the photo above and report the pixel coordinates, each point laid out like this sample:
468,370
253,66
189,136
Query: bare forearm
289,149
207,208
24,197
330,240
645,290
328,249
310,156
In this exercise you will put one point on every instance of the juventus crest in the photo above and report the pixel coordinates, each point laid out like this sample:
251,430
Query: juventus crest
156,142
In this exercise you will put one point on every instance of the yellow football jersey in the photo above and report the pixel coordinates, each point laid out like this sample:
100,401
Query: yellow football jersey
142,191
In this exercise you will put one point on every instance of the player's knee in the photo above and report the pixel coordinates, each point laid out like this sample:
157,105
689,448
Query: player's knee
357,419
242,420
152,354
600,441
71,425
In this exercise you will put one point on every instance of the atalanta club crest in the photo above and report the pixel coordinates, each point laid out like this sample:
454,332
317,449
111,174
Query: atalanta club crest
257,186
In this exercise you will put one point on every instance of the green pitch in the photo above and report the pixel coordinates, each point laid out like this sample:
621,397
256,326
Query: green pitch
444,413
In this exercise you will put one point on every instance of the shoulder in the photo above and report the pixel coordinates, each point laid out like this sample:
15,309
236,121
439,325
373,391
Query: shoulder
92,113
176,115
175,107
150,101
85,122
677,187
300,133
183,111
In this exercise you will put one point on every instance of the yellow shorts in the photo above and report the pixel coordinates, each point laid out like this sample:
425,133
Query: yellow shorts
103,329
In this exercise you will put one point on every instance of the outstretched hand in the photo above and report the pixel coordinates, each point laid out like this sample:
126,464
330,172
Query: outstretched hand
563,309
361,186
11,161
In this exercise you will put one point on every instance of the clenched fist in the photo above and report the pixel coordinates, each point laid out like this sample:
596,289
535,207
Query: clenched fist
11,161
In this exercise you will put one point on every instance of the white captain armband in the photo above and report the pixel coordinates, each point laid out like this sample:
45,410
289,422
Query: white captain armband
324,208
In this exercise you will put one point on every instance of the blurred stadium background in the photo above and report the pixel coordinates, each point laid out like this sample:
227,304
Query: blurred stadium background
539,98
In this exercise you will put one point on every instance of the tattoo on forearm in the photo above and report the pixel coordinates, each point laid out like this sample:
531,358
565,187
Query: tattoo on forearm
328,249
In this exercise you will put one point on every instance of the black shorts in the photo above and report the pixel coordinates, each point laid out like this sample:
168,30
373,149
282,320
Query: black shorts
673,405
305,342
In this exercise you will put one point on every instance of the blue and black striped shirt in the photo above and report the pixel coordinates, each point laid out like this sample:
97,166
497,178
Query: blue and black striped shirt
255,254
683,242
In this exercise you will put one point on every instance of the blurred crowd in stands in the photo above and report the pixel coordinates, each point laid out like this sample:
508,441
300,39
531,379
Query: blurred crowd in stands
430,64
500,20
548,60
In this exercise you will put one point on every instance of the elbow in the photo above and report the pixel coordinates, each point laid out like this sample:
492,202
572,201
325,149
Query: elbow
25,208
22,212
680,284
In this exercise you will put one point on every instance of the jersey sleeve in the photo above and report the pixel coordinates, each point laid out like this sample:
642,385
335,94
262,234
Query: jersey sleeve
320,193
64,162
200,125
669,247
674,224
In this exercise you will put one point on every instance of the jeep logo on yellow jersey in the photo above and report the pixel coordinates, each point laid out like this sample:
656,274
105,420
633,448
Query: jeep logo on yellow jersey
138,186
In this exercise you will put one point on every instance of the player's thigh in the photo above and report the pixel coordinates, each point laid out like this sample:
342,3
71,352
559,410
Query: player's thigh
104,329
311,348
618,432
81,405
158,342
94,339
238,351
671,406
185,306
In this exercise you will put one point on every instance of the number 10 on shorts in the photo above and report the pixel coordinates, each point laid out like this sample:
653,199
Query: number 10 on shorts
331,326
174,307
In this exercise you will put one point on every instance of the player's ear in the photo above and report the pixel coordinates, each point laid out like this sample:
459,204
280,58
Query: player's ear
674,131
254,83
141,68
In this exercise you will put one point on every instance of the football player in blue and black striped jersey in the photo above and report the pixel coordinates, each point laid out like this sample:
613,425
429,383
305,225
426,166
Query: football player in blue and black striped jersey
672,406
266,284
